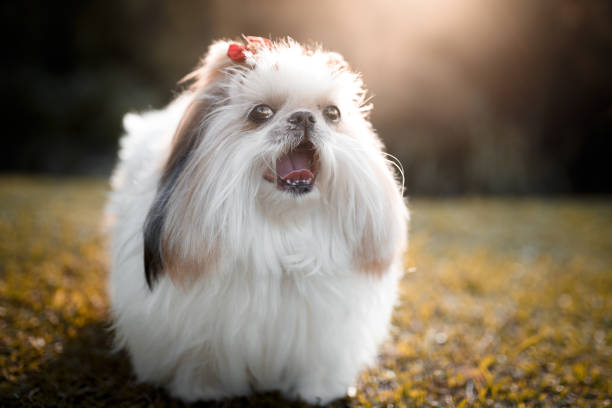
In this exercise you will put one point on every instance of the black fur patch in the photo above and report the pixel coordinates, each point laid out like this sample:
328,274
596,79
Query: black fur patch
154,224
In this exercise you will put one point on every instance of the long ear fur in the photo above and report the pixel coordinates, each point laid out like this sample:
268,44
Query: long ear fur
380,234
384,234
186,138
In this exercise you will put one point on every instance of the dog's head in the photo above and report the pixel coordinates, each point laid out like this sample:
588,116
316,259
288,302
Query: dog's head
273,130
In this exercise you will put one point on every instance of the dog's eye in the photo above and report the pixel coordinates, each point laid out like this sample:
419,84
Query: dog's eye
332,113
261,113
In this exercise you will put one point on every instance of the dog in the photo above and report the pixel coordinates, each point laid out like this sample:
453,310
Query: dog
259,229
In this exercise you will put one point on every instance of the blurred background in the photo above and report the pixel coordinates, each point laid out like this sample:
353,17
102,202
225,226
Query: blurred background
472,96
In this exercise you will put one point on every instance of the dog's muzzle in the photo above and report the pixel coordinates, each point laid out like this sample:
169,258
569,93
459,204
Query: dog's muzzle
296,169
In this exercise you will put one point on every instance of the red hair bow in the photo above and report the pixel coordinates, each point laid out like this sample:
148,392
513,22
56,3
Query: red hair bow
236,51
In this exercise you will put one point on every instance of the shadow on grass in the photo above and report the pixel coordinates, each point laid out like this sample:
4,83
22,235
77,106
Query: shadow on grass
87,374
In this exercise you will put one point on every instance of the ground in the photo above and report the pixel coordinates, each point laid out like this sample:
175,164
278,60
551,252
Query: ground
505,302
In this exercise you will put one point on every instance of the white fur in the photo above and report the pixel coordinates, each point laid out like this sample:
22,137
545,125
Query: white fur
287,306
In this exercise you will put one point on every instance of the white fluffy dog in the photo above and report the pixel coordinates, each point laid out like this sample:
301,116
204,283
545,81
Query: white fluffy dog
258,229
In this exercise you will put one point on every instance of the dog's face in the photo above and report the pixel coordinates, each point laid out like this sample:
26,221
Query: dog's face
293,105
272,129
280,115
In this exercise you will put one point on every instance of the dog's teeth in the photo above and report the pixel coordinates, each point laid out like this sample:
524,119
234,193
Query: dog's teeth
298,182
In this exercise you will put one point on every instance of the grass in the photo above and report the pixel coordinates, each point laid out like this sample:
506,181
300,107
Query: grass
506,302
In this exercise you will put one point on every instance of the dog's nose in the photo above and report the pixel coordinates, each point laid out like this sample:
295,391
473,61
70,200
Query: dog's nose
304,119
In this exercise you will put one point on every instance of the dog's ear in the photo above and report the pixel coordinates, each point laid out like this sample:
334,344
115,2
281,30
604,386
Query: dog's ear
188,134
384,233
185,139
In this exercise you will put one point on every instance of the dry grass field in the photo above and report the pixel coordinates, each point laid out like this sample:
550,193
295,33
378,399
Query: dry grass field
506,302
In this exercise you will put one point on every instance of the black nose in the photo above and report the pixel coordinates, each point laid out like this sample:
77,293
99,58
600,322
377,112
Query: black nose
303,119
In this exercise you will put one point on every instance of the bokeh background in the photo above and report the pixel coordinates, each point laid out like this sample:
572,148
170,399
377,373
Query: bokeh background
499,110
472,96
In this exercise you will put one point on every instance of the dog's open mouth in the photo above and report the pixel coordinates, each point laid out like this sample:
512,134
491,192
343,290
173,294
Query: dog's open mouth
296,170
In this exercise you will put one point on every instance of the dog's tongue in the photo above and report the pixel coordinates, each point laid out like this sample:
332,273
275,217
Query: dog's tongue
295,165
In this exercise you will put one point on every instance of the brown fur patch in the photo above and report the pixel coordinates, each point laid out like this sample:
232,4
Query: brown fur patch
376,267
368,255
185,271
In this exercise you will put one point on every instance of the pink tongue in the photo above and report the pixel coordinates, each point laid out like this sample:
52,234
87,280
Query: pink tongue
295,165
